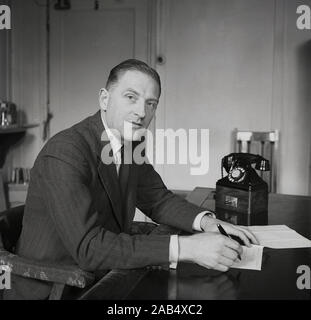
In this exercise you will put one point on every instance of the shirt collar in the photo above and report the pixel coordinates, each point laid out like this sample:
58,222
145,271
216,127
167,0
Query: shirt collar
115,142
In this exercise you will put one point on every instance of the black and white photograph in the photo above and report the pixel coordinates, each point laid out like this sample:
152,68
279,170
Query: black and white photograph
155,155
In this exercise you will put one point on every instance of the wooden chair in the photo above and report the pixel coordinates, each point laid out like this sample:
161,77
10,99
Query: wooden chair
59,275
264,143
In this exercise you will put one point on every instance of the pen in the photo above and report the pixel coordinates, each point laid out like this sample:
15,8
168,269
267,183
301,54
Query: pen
223,232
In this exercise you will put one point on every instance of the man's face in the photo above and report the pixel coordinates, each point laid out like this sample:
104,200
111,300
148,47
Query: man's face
130,104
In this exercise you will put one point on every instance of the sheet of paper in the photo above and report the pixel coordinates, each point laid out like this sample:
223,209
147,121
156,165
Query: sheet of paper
279,237
251,258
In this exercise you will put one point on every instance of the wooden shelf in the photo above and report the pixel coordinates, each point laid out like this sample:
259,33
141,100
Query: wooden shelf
17,128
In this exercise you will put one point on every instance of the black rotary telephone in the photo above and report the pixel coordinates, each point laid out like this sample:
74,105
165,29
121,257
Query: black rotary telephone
240,171
242,195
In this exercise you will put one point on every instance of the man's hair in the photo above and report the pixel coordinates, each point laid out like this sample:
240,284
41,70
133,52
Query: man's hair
134,65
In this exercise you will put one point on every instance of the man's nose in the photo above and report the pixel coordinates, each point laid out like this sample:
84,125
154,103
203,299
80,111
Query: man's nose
140,109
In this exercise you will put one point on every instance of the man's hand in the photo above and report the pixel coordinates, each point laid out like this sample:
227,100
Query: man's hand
210,250
209,224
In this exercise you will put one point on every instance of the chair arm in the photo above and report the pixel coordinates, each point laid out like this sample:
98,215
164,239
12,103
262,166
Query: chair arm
65,274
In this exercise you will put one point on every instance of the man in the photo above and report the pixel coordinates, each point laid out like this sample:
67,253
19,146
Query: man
80,207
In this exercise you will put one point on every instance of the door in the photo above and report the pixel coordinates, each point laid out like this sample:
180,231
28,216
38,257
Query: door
85,44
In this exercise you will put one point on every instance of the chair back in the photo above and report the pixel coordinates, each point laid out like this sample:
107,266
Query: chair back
264,143
11,227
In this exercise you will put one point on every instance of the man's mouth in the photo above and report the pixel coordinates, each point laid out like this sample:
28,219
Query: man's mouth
136,124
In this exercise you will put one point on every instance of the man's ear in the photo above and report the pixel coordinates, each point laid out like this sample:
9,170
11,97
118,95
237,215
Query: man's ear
103,98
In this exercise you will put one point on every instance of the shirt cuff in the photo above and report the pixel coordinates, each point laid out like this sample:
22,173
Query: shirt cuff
196,226
173,251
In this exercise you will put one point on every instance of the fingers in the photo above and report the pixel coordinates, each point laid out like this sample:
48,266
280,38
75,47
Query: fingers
230,253
249,234
234,245
242,232
221,267
214,266
225,261
213,250
219,263
239,233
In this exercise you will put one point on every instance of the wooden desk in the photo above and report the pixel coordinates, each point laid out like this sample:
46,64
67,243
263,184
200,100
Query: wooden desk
276,280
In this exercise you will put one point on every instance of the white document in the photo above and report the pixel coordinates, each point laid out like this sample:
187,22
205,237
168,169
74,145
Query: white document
251,258
279,237
273,236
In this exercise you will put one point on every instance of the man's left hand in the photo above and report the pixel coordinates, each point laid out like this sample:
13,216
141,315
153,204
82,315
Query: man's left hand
209,224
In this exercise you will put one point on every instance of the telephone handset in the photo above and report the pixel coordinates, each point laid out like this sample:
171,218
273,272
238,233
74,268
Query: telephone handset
240,170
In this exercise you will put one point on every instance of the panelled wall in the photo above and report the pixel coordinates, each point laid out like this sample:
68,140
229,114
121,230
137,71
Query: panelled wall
227,64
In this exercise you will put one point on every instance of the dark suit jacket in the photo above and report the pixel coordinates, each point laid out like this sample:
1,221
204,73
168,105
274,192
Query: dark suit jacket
74,214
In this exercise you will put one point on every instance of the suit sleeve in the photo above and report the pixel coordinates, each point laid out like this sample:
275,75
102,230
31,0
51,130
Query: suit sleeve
160,204
64,186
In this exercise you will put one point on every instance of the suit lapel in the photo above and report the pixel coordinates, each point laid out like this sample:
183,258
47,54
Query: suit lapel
106,168
109,179
124,208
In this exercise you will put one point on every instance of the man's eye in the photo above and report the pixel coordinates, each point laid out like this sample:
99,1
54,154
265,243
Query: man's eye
130,97
152,105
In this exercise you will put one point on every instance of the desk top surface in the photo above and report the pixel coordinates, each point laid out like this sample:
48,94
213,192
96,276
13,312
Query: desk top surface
276,280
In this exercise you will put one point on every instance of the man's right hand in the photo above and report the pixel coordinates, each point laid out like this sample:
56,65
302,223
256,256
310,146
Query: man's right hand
210,250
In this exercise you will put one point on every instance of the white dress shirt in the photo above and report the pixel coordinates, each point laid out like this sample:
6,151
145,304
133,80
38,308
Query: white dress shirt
116,146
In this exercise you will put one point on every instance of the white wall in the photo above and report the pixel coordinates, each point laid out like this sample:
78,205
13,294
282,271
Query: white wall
295,115
236,64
